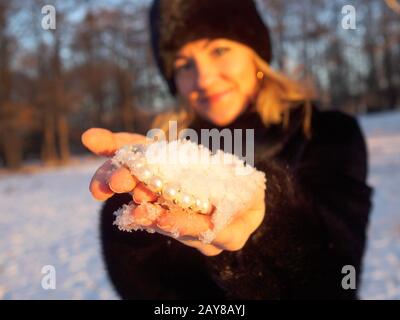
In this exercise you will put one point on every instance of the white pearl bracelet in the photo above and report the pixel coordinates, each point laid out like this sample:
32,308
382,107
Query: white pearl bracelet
169,191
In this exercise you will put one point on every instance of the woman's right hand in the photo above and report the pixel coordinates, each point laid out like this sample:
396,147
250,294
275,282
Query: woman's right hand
109,180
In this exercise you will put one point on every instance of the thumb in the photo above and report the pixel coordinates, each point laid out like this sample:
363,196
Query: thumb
103,142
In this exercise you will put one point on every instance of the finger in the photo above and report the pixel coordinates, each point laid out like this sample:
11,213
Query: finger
121,181
98,185
185,223
146,214
104,143
99,141
142,194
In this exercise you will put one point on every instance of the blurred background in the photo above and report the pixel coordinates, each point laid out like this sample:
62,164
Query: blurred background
96,69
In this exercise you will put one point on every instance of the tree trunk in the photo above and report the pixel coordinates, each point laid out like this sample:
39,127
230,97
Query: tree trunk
12,148
49,152
63,137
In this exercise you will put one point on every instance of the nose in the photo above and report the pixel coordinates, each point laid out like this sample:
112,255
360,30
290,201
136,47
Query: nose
206,74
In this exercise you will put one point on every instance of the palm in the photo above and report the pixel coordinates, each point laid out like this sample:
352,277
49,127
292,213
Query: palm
107,180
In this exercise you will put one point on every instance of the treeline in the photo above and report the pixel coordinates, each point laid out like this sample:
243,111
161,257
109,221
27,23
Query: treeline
96,67
356,70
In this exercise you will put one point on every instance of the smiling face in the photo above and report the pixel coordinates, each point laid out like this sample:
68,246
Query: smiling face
217,77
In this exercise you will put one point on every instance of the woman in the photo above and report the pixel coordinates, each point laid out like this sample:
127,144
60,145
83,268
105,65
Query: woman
294,240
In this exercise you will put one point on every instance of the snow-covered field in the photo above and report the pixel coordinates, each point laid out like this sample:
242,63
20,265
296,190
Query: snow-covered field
381,277
49,218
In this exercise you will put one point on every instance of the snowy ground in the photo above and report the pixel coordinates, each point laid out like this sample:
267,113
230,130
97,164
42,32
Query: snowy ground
381,277
49,218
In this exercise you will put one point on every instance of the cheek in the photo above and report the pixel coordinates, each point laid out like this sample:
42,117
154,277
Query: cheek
184,84
242,73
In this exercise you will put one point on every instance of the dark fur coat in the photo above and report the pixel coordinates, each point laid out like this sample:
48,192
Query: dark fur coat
317,207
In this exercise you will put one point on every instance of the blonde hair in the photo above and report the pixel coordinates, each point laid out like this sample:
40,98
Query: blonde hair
277,94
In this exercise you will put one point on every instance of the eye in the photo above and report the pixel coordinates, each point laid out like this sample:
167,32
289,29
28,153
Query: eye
183,65
219,51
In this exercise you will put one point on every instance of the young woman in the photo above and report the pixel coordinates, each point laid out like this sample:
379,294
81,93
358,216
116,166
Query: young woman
298,235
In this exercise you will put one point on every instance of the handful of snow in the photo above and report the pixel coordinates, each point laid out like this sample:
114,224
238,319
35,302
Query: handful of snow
188,177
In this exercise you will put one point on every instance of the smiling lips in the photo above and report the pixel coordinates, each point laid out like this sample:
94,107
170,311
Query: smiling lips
213,98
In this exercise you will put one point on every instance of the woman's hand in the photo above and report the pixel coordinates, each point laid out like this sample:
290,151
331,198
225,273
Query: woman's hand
109,180
103,142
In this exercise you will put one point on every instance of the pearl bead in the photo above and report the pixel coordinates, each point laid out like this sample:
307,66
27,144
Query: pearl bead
205,207
170,192
155,184
185,200
197,204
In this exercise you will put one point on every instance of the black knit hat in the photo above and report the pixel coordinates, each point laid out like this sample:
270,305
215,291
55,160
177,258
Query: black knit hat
175,22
